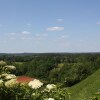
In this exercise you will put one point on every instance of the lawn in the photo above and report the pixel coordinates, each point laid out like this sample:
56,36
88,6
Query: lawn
86,88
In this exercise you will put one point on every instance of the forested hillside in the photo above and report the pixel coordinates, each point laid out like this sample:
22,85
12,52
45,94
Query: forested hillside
65,68
65,76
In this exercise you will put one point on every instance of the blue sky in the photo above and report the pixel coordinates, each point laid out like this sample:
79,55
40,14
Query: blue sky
49,26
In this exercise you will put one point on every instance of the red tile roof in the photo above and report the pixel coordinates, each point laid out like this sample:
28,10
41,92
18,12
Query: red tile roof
24,79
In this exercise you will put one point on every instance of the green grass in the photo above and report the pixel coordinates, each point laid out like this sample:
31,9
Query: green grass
19,63
86,88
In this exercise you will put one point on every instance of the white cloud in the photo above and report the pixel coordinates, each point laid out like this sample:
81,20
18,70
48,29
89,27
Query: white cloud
60,20
25,32
56,28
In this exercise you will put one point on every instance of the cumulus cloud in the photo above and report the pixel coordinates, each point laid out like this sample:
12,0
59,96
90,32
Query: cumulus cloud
25,32
56,28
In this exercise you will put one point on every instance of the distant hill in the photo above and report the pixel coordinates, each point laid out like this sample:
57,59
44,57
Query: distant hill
51,53
86,88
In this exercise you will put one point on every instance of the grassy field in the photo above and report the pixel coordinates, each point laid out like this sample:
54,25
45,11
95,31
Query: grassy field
86,88
20,63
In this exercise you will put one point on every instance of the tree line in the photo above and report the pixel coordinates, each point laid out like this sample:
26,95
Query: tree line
67,69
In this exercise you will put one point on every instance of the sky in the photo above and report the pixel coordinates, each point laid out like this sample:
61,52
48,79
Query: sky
39,26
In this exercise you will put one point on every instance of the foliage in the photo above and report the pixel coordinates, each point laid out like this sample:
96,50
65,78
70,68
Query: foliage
34,90
68,69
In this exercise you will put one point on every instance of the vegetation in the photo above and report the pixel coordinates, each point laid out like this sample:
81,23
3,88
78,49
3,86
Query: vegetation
68,69
78,72
87,89
34,90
